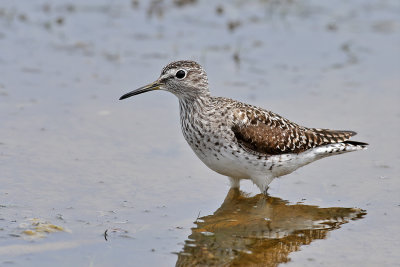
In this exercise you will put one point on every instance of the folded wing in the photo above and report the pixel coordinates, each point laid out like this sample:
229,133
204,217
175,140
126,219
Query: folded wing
268,133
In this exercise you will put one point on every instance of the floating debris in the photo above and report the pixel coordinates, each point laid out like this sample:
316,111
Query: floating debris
116,232
232,25
219,10
38,228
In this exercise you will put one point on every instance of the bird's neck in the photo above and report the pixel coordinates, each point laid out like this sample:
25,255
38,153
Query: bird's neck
194,105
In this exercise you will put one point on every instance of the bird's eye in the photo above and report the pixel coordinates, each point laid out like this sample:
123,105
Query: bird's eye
180,74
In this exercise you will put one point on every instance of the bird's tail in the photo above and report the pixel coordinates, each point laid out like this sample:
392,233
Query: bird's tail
325,137
356,143
338,148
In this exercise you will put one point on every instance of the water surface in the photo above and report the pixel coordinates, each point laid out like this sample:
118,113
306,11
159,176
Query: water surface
87,180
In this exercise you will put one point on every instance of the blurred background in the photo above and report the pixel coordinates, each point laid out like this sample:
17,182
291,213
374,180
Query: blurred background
87,180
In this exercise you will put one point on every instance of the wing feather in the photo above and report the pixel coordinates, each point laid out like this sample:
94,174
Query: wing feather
265,132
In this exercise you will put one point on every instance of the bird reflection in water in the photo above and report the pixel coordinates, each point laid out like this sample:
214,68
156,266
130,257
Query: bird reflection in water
258,231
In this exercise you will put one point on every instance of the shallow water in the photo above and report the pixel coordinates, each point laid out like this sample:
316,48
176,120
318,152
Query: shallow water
90,180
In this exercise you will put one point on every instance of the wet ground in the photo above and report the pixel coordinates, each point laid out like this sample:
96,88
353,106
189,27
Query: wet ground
87,180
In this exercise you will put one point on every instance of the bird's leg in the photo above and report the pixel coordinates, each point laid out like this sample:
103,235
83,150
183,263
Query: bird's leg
262,182
235,182
266,190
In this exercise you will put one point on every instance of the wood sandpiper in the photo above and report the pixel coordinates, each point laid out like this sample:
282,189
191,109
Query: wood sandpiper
239,140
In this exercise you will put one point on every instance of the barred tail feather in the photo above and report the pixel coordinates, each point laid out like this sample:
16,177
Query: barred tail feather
356,143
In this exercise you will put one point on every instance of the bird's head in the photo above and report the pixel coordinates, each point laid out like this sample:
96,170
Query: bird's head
185,79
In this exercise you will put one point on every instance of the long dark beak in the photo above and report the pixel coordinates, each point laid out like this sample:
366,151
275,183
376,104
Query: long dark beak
144,89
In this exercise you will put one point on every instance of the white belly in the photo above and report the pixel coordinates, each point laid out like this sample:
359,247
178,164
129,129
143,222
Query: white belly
240,164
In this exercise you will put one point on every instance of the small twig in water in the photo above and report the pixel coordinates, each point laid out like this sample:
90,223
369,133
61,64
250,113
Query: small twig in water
105,234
